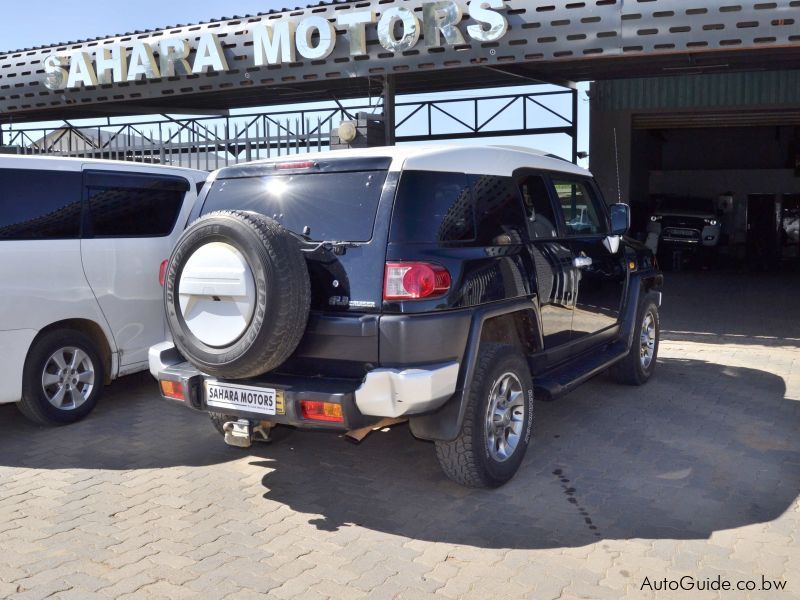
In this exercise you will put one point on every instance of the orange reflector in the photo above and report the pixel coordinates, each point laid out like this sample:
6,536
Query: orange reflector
173,390
321,411
632,266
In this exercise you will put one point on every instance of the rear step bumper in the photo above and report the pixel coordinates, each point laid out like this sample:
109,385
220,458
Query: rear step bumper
382,393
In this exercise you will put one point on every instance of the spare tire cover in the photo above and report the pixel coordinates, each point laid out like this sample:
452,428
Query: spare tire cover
237,294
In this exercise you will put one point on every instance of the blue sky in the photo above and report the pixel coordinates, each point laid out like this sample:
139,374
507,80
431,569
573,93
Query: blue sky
39,22
43,22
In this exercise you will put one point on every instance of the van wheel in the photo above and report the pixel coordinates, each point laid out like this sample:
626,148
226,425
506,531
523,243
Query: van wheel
497,424
640,363
62,379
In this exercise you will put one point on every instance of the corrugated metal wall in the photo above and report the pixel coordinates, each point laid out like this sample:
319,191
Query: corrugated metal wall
724,90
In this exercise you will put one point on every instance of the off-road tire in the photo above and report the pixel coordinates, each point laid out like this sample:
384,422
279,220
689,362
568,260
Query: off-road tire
34,404
283,294
630,371
466,460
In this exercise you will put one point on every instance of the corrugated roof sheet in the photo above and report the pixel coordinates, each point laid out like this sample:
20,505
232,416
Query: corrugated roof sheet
720,90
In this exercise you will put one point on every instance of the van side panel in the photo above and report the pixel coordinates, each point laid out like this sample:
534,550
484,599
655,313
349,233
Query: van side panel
122,252
14,347
42,282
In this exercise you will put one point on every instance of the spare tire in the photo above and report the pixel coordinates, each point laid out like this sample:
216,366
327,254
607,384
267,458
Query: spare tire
237,294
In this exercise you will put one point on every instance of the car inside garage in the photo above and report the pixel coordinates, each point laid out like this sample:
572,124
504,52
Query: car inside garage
709,163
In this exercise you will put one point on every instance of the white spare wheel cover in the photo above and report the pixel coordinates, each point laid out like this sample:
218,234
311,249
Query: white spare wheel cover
217,294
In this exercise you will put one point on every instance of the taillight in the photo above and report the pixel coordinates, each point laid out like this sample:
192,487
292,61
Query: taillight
172,390
321,411
162,272
414,281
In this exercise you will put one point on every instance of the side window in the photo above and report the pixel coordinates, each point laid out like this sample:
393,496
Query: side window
538,208
39,205
498,211
580,211
433,207
127,205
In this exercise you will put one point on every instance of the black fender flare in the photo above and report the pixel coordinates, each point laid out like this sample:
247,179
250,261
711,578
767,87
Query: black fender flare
445,423
640,285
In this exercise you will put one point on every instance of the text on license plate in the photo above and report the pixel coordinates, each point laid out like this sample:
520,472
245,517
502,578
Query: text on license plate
265,401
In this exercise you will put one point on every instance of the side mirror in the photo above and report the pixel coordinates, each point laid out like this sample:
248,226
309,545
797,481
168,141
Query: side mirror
620,219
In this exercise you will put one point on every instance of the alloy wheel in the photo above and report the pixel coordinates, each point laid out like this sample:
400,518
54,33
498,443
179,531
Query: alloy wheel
505,417
648,340
68,378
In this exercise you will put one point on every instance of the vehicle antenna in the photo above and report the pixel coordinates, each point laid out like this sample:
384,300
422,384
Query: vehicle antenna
616,157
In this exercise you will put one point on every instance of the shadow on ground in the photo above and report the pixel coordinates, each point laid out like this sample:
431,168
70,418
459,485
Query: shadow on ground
132,428
741,308
609,462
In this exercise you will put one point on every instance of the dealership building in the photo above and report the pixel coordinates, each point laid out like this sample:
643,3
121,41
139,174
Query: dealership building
692,100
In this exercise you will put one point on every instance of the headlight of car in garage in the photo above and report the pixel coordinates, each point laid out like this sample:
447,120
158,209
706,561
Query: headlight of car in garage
655,218
711,222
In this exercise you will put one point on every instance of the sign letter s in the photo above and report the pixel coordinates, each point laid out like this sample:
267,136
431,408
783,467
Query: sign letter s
481,11
55,68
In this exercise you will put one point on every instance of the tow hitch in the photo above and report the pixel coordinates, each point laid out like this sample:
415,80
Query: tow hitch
242,434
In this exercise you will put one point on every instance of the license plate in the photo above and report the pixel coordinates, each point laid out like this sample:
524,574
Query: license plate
265,401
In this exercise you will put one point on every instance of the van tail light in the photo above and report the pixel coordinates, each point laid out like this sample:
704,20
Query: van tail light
415,281
162,272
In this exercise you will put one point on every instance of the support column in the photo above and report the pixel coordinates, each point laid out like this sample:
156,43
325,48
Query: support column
389,108
575,126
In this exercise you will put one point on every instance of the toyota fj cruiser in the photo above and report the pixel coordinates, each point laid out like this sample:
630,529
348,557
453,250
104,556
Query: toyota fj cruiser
446,285
686,226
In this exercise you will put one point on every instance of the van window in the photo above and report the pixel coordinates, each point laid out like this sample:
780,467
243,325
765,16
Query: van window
133,205
39,205
498,210
433,207
580,212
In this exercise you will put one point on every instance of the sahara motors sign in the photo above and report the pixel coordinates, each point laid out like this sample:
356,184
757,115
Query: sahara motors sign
280,42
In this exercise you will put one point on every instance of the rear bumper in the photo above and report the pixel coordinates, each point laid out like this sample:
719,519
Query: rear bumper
382,393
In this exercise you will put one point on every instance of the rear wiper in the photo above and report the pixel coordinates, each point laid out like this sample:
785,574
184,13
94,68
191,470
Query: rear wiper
337,247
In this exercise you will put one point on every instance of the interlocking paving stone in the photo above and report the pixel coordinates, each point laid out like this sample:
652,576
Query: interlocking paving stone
698,473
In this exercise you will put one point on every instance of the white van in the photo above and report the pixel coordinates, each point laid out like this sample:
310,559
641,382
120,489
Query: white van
80,297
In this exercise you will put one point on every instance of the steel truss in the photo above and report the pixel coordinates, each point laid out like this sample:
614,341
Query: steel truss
213,141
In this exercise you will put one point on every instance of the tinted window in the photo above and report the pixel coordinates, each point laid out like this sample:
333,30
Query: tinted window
538,208
498,210
39,205
684,204
433,207
123,205
580,212
334,206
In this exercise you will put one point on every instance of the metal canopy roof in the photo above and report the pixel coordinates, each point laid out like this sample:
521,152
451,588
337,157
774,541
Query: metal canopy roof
547,40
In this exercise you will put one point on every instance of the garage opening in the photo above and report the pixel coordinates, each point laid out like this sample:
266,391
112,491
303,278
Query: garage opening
729,190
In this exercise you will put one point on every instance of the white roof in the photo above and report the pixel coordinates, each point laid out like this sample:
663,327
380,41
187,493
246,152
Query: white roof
62,163
478,160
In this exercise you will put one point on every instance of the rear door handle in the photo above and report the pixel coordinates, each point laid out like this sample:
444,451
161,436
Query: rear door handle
581,262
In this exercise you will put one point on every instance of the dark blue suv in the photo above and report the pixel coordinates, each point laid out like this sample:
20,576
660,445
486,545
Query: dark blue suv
446,285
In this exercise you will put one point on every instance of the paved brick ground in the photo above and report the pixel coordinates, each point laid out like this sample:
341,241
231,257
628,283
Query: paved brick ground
696,474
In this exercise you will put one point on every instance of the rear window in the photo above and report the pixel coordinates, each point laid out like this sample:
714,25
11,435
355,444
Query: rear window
337,206
132,205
